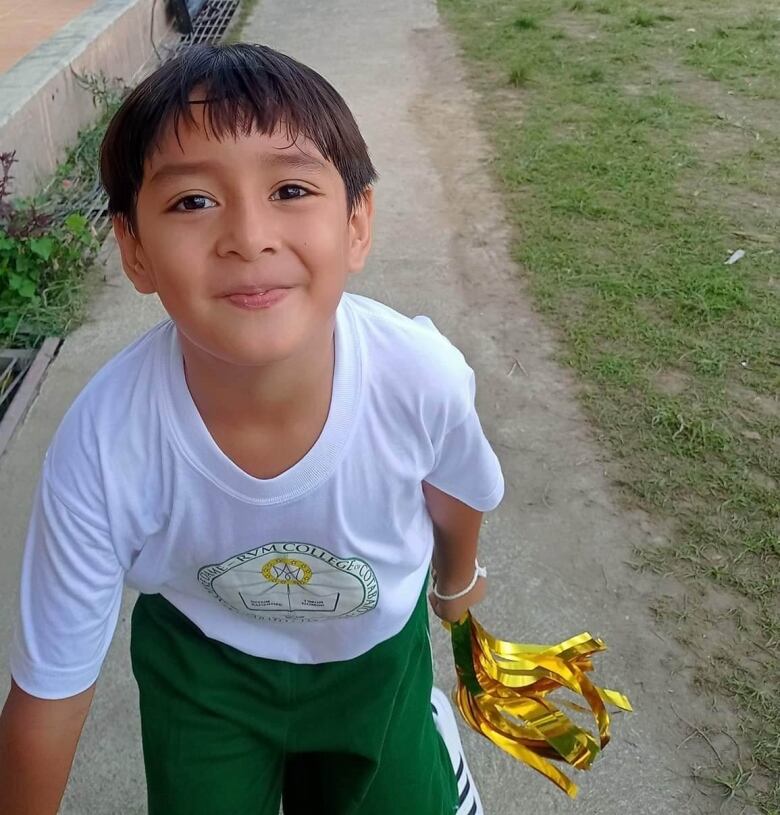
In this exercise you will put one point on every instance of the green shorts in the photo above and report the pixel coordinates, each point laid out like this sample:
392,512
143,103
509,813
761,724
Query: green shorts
225,733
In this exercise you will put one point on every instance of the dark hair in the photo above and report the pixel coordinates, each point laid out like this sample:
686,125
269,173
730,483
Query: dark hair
247,87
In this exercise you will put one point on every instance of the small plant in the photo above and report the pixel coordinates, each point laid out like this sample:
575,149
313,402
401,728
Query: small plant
37,252
643,19
593,74
105,92
519,75
577,5
525,24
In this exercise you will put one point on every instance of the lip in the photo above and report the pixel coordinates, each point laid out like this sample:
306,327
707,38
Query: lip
257,298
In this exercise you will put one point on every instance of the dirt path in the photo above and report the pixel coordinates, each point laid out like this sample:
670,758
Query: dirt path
558,545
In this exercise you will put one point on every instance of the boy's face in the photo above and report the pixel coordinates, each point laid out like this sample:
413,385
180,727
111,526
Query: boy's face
248,242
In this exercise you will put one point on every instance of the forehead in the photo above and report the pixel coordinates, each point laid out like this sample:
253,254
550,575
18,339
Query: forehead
191,142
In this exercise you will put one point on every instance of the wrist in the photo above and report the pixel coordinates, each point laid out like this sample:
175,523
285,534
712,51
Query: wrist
444,589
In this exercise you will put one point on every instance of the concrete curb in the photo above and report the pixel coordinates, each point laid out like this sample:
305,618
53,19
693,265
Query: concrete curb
28,390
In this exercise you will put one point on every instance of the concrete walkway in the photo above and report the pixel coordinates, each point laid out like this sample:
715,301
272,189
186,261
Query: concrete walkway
557,547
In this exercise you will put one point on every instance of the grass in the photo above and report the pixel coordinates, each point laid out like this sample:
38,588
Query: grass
740,51
625,256
519,74
243,14
642,18
525,24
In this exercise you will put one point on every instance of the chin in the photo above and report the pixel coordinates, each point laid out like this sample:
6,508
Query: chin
261,341
249,357
257,353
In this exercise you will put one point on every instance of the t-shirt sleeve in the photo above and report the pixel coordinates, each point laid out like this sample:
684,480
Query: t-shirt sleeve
69,599
465,465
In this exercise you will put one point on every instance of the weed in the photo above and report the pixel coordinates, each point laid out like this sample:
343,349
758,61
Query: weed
592,74
525,24
106,93
686,434
643,19
519,74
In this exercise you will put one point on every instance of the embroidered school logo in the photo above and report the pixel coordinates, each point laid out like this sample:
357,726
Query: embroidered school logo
289,581
282,570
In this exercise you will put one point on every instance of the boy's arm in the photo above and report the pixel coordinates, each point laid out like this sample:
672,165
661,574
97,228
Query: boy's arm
456,535
38,739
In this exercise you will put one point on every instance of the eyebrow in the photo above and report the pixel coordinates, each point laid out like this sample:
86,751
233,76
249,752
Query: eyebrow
297,160
300,161
180,168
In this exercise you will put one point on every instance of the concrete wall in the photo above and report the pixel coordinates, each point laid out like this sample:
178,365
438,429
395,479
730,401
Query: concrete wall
42,107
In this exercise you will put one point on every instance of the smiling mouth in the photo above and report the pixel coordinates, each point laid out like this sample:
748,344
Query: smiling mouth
259,299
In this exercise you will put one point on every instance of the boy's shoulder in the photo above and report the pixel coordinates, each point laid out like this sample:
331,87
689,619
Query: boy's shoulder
409,345
120,376
116,402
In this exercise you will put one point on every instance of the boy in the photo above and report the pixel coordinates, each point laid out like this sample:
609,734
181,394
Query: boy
270,468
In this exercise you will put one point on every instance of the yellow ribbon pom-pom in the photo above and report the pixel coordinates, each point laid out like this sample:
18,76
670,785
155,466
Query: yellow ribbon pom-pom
501,684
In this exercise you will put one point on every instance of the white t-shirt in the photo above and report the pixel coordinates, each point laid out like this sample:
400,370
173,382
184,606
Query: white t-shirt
318,564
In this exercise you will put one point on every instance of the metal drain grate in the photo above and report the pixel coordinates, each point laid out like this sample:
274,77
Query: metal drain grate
93,205
13,366
210,25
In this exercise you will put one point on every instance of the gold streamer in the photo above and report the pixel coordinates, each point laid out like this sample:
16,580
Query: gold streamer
501,683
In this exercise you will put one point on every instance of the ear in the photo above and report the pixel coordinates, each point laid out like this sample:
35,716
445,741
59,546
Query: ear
134,260
361,223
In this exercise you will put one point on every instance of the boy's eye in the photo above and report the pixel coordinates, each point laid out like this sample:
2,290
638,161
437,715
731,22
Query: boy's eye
193,202
289,191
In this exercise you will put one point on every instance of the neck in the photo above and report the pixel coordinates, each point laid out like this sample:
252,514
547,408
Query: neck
276,393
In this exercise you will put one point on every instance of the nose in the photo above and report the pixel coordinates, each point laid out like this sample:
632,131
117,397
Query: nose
248,229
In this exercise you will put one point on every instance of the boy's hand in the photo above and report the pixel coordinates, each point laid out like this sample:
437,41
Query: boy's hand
452,610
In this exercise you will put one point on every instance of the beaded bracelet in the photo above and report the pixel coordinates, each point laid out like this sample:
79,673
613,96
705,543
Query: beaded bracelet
479,571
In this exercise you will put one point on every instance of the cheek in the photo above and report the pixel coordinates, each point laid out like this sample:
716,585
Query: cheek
324,240
179,253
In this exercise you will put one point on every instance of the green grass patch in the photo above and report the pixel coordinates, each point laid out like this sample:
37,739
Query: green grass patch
642,18
245,10
742,53
525,24
590,73
679,349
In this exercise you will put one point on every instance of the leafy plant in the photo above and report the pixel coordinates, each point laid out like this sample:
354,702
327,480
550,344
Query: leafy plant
39,254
